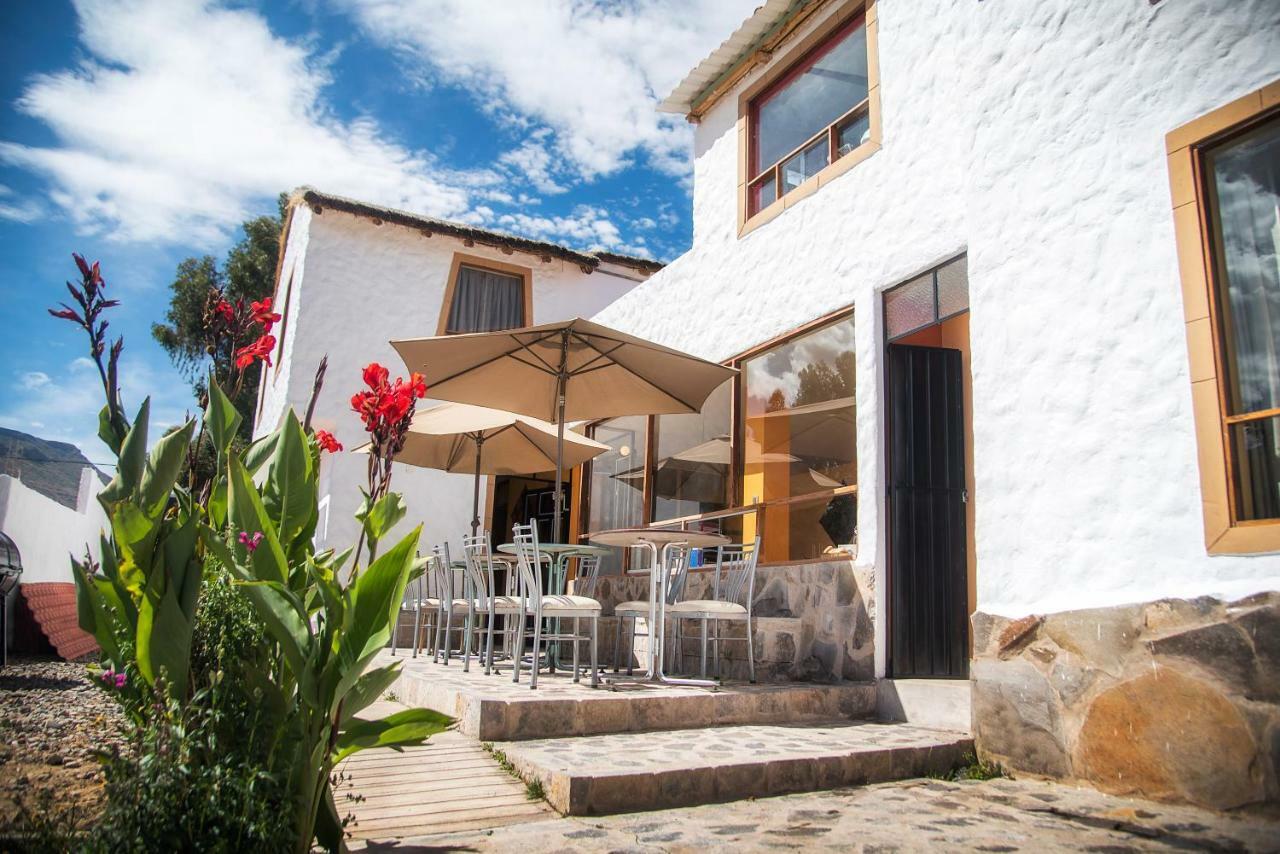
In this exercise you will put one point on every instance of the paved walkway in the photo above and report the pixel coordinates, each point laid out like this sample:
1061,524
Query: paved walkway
999,815
448,784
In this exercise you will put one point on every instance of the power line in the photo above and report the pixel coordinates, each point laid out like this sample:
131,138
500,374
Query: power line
48,460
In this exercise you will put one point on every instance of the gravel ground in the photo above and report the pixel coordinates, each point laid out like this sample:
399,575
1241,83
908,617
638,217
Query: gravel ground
52,722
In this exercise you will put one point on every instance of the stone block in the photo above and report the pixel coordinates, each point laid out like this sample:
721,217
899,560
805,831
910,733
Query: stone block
1166,735
1017,635
1015,716
1102,636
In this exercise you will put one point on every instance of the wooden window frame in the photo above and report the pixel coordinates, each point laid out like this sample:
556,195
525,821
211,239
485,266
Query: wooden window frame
460,260
845,17
1224,532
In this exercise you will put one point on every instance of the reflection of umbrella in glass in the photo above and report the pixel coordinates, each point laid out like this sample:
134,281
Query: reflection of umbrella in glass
840,519
699,474
815,430
465,439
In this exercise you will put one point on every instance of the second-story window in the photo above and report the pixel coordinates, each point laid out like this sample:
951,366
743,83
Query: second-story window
485,301
815,113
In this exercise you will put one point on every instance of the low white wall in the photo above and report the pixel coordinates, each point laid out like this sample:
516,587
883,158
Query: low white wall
48,533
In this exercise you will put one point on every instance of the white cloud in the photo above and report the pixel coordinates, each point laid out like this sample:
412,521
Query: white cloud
20,210
588,226
534,161
31,380
590,70
184,114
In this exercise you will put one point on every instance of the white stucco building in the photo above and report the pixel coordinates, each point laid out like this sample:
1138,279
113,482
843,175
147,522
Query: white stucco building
354,276
1077,201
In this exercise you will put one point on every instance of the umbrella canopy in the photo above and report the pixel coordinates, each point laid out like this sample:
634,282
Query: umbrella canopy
570,370
466,439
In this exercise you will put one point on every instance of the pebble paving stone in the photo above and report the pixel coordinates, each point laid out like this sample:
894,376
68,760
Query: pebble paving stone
917,815
52,722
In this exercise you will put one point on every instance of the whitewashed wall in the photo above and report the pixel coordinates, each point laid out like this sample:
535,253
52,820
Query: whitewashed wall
1030,135
48,533
357,286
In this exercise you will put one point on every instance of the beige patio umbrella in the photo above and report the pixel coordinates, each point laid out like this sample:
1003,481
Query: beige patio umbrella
466,439
572,370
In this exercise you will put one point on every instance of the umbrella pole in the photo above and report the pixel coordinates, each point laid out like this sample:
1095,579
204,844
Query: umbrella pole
561,380
475,498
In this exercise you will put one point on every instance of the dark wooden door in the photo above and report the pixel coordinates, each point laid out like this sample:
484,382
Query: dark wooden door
928,591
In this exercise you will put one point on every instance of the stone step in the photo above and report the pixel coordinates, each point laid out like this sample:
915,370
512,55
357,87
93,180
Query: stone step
629,772
493,708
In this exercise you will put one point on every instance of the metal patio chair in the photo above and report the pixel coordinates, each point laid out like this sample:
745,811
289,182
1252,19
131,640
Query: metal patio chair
676,557
448,605
418,601
485,600
731,599
534,604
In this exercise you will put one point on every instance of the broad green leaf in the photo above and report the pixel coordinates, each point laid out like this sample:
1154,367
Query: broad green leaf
135,535
163,466
249,516
132,460
289,494
379,519
257,454
412,726
164,641
287,623
216,506
368,688
106,432
221,418
377,594
328,825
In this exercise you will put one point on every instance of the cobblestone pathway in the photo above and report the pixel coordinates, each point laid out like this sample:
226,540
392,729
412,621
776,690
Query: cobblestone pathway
998,815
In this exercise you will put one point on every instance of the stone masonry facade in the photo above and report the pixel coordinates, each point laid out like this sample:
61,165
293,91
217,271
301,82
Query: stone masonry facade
1176,700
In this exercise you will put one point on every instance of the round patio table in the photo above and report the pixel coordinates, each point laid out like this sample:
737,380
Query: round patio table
651,539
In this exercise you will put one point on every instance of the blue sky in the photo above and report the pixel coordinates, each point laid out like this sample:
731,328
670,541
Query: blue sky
140,132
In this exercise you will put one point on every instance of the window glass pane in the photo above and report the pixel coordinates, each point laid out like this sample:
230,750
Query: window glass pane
691,464
815,95
1256,454
909,306
810,529
763,194
953,287
853,133
804,165
485,301
1244,177
799,429
617,481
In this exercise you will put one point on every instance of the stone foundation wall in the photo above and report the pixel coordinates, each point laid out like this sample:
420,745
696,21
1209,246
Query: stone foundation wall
1174,699
813,622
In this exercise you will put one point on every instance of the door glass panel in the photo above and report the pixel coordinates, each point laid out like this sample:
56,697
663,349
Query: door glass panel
617,481
1256,452
693,452
909,306
1244,178
799,431
815,94
804,165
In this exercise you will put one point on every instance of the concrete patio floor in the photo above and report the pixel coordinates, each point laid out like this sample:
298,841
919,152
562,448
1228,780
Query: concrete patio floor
915,815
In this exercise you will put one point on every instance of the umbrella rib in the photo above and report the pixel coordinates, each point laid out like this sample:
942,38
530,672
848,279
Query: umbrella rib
504,355
600,354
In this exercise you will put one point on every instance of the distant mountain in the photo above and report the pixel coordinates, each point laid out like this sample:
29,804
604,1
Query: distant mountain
50,468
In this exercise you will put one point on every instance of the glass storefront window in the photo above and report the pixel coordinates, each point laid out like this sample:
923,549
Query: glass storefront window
617,481
799,438
693,459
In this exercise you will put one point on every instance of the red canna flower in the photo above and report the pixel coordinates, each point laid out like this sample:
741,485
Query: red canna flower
375,376
260,349
327,441
262,314
224,310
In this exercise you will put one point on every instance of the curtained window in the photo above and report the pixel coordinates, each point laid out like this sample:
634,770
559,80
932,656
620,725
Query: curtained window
485,301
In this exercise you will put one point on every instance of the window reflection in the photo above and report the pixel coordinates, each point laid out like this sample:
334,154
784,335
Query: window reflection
799,439
617,481
692,461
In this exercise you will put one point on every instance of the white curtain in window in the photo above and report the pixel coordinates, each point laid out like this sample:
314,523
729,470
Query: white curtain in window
486,301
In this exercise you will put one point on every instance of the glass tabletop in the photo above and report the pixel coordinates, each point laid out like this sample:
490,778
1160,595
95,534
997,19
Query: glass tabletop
558,549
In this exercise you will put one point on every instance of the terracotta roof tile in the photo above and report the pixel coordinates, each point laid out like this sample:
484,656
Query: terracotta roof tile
53,604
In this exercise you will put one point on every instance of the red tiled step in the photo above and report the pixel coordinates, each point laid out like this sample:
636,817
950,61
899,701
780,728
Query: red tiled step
53,604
